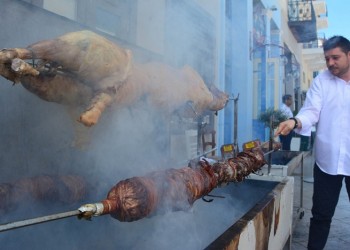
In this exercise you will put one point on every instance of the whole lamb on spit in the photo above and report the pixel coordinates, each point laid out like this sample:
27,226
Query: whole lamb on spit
85,69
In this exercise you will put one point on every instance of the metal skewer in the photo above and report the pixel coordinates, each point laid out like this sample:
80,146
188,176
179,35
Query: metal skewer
24,223
205,153
269,152
235,117
272,118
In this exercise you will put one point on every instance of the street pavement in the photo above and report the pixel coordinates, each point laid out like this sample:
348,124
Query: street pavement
339,237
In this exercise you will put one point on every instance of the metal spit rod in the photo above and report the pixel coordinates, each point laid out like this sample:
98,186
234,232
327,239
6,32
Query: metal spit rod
269,152
235,117
272,118
29,222
205,153
199,156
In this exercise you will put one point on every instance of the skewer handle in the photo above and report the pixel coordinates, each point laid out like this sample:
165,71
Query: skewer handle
24,223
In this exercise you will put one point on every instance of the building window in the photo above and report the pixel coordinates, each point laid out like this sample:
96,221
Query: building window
108,22
66,8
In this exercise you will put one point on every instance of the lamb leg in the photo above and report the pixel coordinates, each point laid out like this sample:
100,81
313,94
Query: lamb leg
98,104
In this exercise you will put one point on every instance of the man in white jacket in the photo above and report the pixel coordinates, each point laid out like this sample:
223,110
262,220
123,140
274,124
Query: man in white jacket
327,104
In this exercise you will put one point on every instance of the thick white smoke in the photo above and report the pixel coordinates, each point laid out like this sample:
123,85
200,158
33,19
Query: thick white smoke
38,137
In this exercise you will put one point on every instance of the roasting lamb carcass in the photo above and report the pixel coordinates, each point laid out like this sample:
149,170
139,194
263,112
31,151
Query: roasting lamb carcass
76,68
84,68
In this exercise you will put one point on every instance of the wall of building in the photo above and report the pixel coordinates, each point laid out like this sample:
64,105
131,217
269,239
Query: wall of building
242,67
150,25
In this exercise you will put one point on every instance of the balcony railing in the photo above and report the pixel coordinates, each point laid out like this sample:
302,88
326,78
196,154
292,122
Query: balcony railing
302,20
300,11
318,43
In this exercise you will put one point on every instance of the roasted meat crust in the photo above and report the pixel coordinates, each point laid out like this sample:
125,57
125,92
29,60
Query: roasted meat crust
158,192
176,189
84,68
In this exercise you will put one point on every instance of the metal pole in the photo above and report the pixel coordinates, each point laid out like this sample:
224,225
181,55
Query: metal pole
235,122
270,143
302,181
29,222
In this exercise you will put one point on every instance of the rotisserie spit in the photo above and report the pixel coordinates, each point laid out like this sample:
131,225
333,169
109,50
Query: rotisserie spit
161,191
173,189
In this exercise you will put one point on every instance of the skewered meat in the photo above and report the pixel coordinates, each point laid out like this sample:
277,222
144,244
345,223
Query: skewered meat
265,147
238,168
83,68
64,188
174,189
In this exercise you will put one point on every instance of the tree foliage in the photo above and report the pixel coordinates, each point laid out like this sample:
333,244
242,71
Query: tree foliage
277,116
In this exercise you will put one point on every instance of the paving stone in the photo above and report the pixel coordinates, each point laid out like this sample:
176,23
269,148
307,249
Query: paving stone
339,236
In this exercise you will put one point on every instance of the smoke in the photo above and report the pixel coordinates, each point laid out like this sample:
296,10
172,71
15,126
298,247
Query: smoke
193,229
39,138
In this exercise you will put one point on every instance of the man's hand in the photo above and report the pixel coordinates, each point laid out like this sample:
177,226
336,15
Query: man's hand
285,127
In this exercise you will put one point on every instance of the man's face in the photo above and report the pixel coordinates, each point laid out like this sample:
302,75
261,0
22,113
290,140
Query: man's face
337,62
289,102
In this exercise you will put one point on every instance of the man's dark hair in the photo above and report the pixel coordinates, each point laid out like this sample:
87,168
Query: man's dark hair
337,42
286,97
